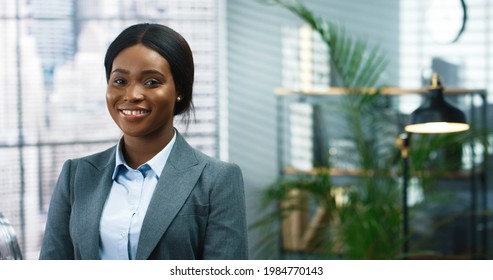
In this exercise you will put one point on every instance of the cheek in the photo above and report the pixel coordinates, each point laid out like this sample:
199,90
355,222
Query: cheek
110,98
165,98
110,103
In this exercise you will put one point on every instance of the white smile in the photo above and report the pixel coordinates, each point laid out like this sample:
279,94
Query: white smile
134,112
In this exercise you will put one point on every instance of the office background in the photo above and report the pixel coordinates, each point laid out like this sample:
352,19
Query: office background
52,80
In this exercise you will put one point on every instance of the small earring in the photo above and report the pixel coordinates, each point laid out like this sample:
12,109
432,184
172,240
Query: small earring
178,98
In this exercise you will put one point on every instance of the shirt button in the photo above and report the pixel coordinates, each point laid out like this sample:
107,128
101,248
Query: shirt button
123,234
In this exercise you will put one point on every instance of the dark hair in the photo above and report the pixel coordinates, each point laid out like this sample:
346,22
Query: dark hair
170,45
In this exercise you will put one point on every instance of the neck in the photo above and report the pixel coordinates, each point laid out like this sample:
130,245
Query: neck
139,150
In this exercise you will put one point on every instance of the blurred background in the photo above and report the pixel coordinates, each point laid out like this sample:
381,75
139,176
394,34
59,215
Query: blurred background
52,87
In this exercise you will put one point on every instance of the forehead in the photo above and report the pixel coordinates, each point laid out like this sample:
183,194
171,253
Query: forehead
140,57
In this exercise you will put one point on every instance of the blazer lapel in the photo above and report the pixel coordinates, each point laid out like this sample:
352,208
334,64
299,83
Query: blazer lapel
95,184
177,180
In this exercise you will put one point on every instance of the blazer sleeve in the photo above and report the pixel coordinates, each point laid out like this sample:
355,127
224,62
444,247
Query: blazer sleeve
226,233
57,244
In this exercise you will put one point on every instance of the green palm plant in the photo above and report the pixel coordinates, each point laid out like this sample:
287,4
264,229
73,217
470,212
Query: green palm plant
368,224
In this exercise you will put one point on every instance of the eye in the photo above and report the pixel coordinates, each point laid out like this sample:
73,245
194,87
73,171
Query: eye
152,83
119,81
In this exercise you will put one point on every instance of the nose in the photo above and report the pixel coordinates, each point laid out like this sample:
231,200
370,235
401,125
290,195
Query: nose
133,94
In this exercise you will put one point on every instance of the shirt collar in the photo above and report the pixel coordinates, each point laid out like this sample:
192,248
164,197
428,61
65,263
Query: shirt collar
156,163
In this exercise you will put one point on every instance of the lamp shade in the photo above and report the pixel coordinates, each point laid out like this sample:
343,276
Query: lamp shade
436,115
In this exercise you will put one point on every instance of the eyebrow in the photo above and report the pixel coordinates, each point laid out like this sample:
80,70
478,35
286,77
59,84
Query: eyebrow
120,71
151,71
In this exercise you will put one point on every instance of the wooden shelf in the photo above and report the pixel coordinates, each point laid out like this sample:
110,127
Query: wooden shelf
316,171
460,174
385,91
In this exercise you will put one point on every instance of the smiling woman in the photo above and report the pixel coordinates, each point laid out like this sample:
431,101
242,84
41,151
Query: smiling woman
53,90
151,196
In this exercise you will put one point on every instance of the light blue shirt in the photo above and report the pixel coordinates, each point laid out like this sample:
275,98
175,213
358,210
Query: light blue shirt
127,203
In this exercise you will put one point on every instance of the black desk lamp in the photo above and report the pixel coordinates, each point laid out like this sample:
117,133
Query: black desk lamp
435,115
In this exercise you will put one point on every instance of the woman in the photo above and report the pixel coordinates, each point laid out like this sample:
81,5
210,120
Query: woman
151,196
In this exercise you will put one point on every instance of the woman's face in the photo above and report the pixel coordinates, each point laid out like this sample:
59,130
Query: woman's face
141,93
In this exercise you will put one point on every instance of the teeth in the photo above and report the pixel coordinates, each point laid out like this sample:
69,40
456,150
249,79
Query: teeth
133,112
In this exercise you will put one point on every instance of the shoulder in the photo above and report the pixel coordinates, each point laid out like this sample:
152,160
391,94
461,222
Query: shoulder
183,156
99,160
220,175
215,165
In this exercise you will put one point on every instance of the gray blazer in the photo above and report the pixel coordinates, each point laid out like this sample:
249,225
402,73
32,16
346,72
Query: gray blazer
197,210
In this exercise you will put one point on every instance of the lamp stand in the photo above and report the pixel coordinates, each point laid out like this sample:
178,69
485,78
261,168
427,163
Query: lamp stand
404,143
